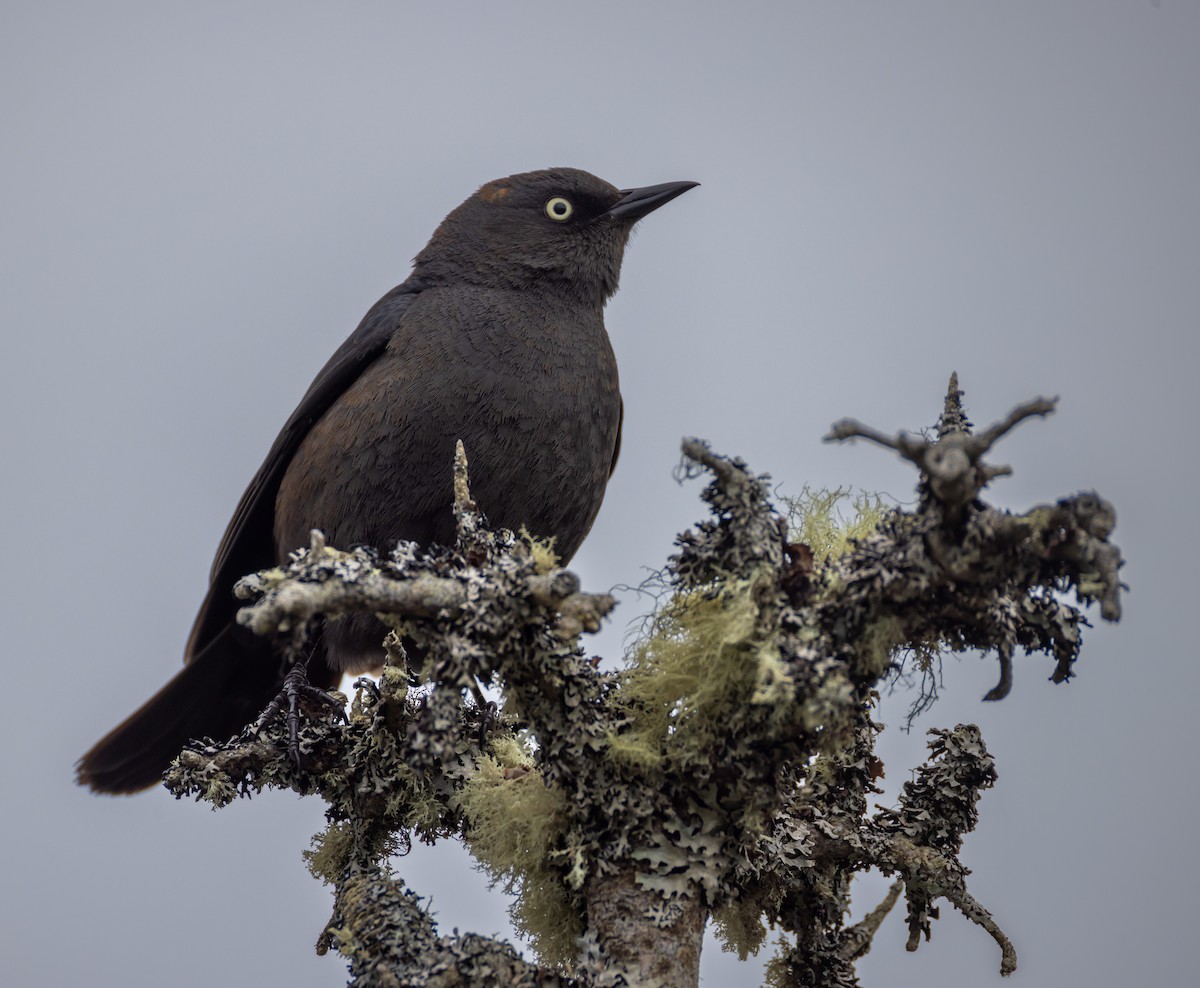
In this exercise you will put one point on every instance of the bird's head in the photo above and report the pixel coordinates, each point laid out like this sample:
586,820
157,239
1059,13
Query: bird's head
560,227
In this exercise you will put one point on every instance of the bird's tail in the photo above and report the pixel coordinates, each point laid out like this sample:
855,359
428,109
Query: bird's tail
215,695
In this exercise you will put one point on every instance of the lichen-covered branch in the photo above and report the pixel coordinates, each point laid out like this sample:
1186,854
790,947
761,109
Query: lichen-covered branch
332,584
725,772
856,942
389,939
952,466
921,839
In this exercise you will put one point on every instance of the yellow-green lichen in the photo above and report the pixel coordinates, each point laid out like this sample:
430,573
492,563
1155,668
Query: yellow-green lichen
739,927
515,828
545,559
703,659
330,853
876,643
816,518
338,845
706,656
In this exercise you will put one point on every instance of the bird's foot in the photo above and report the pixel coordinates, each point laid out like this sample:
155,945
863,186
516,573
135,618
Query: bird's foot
295,688
489,717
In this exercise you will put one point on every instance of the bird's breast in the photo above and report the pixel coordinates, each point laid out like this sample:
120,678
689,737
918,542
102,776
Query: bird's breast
528,384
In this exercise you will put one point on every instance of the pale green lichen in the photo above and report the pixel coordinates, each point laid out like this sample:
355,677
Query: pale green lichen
516,824
777,974
545,559
705,652
329,853
876,643
816,517
703,655
739,928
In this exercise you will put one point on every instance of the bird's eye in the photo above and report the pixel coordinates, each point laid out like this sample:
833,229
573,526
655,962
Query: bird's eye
559,209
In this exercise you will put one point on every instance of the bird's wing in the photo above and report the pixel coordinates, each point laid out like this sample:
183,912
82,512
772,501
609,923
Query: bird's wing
248,543
617,448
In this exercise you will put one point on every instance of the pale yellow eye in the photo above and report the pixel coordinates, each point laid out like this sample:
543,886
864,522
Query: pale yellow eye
559,209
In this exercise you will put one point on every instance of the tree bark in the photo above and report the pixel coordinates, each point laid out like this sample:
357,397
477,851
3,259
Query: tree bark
664,954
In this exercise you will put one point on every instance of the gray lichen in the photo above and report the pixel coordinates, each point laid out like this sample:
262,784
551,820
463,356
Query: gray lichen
724,773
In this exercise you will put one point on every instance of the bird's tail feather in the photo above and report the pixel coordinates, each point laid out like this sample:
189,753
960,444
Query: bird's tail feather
215,695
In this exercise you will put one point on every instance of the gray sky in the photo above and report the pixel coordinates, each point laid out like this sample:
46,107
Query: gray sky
201,200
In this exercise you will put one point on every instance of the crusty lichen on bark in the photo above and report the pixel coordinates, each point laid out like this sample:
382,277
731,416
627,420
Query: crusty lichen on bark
726,772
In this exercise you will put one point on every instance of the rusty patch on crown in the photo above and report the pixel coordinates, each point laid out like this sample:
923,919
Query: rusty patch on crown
494,192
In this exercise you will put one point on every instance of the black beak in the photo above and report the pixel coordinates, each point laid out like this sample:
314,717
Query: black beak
636,203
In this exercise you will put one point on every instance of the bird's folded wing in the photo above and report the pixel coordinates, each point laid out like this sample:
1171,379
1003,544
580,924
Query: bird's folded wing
248,544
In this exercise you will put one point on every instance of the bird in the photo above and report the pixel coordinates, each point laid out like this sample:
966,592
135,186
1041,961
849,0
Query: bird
497,339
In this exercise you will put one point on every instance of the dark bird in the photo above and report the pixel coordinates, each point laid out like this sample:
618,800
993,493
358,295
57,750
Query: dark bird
496,338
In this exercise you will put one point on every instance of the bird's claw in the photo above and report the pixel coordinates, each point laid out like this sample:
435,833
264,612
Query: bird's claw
295,688
489,716
368,684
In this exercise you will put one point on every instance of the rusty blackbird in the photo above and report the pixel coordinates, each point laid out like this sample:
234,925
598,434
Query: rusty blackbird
497,338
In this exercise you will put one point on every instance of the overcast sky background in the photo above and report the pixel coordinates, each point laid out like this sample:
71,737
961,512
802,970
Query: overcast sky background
201,200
